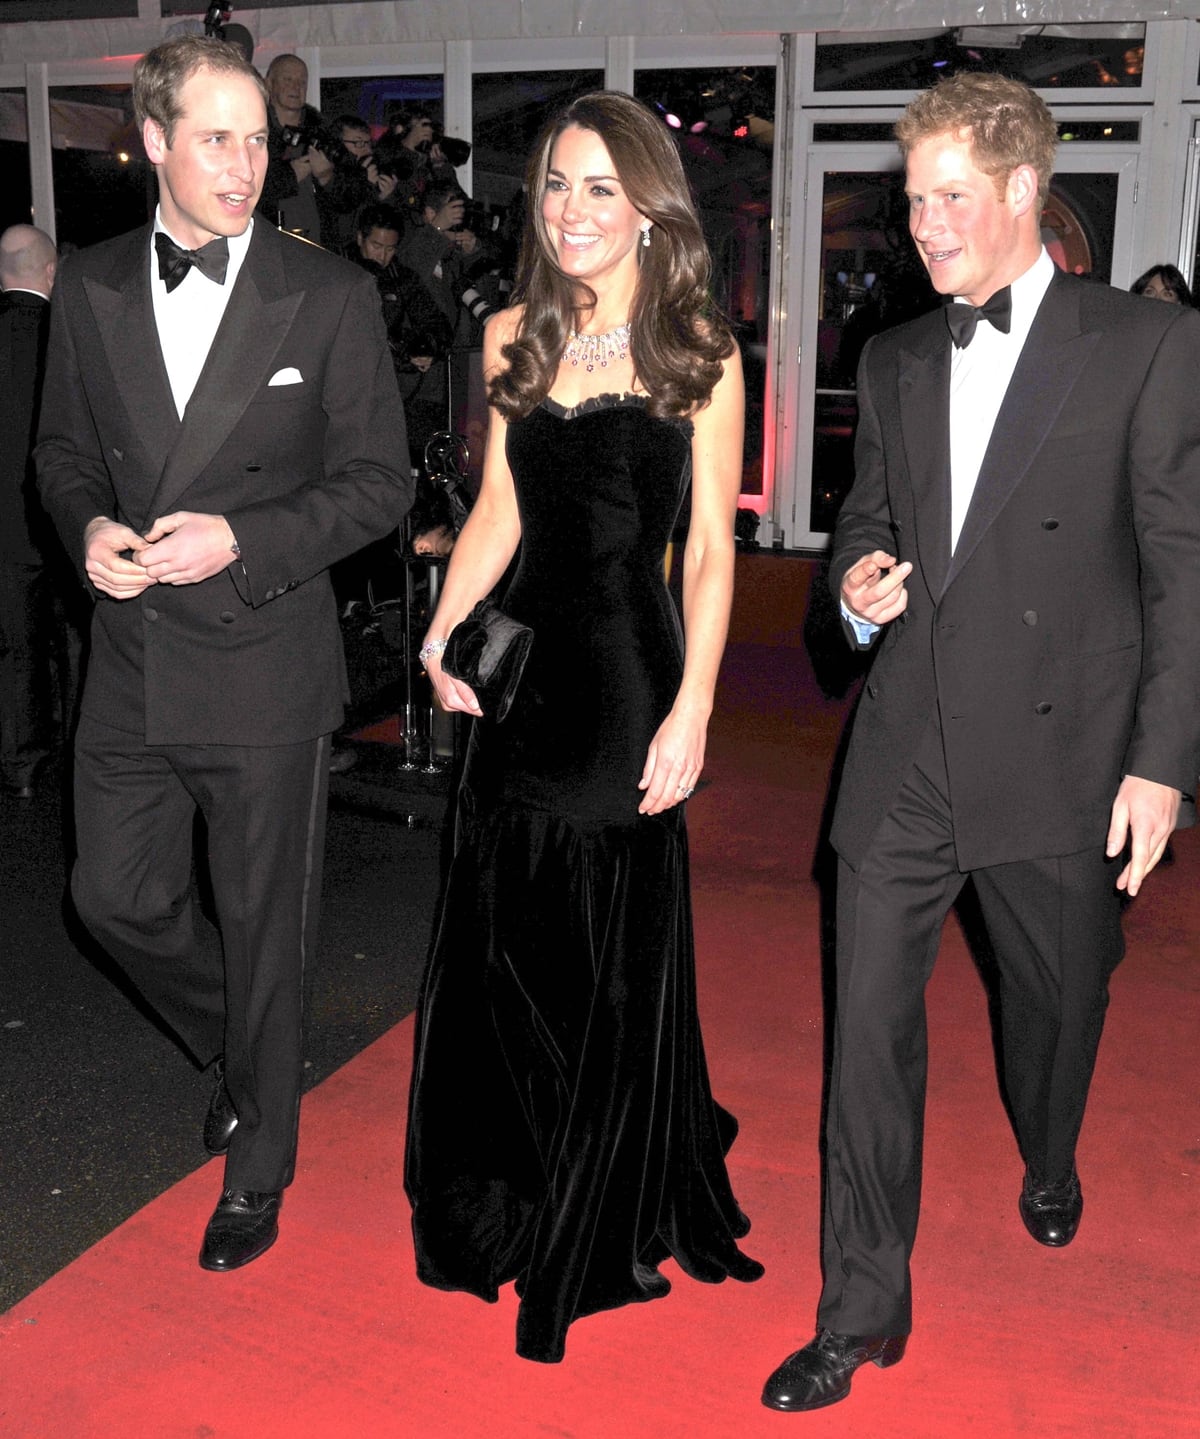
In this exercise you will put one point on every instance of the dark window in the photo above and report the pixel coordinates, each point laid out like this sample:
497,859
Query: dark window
1049,57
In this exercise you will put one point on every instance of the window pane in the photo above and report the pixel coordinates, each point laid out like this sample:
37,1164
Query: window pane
103,183
15,199
377,98
871,279
1049,57
508,111
725,123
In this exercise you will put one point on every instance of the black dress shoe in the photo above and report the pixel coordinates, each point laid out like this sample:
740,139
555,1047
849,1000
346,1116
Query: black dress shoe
221,1119
244,1225
819,1374
1051,1211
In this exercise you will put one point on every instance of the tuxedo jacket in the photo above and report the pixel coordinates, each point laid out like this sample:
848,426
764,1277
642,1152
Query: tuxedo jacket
24,321
1058,648
295,433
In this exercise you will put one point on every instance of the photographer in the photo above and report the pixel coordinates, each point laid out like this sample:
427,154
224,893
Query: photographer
421,156
298,165
419,334
356,181
454,262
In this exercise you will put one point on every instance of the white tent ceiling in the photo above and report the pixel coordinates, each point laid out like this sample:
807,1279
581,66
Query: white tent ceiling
416,21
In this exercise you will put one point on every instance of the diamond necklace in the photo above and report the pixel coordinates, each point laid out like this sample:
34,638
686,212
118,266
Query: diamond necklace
592,350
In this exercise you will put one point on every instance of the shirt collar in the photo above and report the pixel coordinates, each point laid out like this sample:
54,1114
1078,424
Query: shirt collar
1029,289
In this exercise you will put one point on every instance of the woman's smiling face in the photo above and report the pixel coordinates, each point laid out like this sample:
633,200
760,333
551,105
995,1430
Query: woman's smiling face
593,229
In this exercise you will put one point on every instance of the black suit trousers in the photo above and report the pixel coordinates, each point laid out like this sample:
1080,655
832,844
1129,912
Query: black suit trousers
264,812
25,637
1054,928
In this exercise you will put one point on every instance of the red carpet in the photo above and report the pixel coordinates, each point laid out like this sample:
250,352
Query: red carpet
330,1335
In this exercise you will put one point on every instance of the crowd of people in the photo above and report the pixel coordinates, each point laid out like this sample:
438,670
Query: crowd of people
394,204
1032,722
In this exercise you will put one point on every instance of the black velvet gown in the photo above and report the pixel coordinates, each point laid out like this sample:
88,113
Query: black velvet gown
561,1130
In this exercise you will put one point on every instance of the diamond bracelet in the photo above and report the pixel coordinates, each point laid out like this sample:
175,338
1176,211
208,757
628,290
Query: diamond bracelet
430,650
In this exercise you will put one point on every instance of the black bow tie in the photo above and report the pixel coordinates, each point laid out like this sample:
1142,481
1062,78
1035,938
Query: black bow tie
963,318
174,261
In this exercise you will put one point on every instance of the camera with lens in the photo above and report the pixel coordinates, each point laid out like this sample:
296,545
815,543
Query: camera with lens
476,218
214,20
457,152
305,136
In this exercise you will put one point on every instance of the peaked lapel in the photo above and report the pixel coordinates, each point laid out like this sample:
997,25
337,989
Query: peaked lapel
124,315
1055,352
924,391
259,314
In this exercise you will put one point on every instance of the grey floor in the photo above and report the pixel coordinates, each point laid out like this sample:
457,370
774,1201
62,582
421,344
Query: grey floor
99,1110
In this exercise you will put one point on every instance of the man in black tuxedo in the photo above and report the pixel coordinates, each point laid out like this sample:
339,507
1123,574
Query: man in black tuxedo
28,261
220,424
1022,542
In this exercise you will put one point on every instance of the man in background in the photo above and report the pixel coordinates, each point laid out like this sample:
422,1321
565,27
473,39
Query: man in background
28,261
299,165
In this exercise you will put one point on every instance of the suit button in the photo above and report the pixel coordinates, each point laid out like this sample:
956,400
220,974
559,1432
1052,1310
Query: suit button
872,691
227,617
253,469
149,613
1029,617
904,617
1043,708
1050,524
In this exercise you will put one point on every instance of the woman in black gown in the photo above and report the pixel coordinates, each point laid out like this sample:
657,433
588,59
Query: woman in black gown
562,1132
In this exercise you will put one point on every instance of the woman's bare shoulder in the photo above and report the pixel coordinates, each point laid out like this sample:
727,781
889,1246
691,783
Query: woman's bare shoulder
502,327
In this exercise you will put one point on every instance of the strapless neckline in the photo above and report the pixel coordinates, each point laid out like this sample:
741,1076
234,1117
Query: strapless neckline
592,404
600,404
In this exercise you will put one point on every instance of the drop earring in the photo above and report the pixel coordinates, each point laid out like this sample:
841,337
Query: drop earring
646,237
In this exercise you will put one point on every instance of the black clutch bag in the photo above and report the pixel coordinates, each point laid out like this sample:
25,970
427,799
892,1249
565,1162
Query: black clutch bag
488,651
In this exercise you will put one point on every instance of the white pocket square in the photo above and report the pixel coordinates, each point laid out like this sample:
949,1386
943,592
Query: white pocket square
290,376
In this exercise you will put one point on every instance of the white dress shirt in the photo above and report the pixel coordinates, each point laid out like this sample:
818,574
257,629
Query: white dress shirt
188,318
979,380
